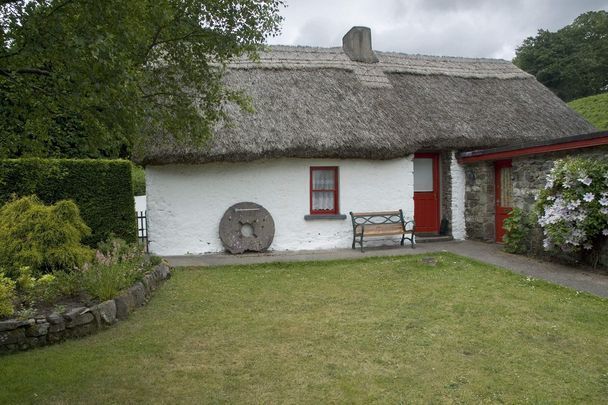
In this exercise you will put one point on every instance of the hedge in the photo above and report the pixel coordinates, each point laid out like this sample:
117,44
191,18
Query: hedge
102,189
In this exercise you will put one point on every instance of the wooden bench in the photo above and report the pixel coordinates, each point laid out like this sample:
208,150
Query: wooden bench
384,223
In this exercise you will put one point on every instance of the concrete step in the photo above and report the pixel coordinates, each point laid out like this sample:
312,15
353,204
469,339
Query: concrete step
433,238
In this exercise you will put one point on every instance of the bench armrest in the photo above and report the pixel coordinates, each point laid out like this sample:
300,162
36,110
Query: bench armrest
413,228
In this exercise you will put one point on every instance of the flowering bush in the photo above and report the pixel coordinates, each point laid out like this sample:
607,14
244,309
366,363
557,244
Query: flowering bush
573,206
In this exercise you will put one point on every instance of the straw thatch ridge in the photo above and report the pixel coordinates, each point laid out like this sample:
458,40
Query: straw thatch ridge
317,103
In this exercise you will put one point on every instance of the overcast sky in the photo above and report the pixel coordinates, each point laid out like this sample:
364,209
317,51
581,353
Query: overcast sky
474,28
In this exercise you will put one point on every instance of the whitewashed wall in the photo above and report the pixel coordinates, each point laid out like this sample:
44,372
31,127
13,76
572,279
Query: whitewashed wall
140,203
457,174
186,202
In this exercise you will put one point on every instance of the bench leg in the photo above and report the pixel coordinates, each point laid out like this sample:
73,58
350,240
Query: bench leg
354,239
402,239
361,242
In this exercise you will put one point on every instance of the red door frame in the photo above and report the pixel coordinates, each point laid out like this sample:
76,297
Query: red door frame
501,213
429,196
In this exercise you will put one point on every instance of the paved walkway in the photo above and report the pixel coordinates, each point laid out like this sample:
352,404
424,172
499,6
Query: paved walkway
578,279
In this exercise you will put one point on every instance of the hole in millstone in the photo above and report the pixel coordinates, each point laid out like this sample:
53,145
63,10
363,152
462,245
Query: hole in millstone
247,230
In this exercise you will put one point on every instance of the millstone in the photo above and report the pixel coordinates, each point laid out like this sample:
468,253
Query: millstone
246,226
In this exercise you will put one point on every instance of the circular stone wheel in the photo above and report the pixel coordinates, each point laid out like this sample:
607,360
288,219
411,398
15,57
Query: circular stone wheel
246,226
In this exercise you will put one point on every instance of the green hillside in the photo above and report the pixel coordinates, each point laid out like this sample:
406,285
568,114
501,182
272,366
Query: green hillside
593,108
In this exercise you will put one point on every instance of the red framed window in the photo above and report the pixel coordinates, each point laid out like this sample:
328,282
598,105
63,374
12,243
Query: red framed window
324,187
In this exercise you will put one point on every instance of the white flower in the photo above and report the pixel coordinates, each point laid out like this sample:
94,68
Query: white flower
604,201
588,197
587,246
605,232
586,180
574,204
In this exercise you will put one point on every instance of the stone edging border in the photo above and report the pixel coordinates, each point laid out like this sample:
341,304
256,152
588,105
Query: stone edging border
16,335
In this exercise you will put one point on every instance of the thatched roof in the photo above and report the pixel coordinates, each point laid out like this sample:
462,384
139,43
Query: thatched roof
316,102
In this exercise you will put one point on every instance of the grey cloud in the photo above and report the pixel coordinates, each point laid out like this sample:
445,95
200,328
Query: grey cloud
479,28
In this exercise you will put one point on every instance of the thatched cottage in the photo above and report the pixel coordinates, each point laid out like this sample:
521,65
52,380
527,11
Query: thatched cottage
346,129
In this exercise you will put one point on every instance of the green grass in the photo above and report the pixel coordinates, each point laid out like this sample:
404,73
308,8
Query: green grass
593,108
390,330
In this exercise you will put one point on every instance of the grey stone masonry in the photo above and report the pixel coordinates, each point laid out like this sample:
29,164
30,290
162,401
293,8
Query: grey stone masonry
446,186
530,173
529,176
357,44
16,335
479,201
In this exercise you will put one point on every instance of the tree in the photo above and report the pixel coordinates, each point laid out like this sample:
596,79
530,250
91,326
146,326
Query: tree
572,62
89,78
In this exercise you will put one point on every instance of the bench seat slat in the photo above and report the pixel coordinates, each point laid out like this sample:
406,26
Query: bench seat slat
389,229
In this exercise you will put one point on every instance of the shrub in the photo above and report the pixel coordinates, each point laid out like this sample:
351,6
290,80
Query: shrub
154,260
517,231
573,207
102,189
36,290
117,265
104,282
67,284
43,238
7,296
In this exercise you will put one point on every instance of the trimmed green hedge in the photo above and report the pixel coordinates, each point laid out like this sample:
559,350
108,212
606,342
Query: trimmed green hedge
102,189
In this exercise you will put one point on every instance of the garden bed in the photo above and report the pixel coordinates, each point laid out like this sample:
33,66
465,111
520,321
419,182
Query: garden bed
79,318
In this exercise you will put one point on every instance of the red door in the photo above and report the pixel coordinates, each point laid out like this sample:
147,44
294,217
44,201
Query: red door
504,195
426,192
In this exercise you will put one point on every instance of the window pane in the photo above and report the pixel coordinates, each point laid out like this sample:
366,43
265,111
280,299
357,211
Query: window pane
506,188
323,179
323,201
423,174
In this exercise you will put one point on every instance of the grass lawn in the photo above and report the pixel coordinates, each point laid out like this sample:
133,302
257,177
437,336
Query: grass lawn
389,330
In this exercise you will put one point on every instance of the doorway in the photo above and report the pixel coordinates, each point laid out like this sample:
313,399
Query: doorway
504,195
426,192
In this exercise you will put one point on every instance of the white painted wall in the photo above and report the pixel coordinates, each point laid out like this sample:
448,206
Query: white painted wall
458,195
186,202
140,203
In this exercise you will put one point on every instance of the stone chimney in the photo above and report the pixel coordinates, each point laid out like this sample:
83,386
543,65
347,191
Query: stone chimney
357,44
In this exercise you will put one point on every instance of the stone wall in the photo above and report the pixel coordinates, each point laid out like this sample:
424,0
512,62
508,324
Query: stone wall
479,201
446,186
529,175
19,335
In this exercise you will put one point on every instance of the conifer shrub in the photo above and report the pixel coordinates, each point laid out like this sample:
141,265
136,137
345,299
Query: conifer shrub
42,237
102,189
7,296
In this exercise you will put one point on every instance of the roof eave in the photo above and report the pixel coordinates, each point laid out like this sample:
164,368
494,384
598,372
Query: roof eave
553,145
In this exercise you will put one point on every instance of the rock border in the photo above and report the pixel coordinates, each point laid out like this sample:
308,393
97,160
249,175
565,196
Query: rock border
19,335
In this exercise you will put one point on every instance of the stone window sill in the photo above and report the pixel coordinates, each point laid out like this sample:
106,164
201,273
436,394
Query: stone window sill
321,217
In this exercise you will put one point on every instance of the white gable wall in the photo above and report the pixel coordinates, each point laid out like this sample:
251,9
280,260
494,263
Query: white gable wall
187,202
458,178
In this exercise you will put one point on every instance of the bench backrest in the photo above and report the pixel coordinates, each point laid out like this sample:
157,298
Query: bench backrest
377,218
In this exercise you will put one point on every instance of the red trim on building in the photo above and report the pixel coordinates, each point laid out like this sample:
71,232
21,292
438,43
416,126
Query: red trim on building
336,189
493,154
